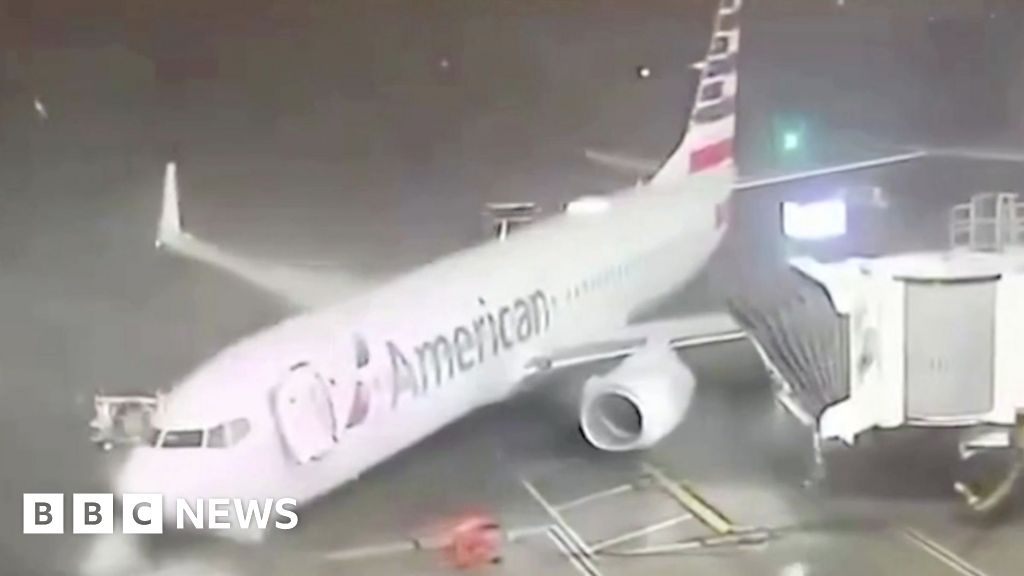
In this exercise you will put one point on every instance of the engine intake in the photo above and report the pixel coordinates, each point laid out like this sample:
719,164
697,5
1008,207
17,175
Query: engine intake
638,403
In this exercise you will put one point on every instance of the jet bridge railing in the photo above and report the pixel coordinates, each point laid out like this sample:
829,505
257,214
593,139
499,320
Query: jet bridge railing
989,222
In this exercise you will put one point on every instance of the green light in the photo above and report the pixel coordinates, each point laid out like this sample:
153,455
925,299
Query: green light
790,141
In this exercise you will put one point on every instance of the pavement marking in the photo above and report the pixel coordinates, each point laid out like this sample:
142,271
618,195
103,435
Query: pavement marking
941,553
615,540
557,517
580,561
367,552
704,512
595,496
517,534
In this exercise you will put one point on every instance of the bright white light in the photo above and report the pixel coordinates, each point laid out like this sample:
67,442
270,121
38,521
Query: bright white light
40,109
814,220
795,569
643,72
587,205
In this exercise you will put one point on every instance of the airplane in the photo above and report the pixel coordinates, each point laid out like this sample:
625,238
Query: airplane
363,372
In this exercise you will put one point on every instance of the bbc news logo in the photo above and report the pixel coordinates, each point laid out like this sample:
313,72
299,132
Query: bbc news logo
144,513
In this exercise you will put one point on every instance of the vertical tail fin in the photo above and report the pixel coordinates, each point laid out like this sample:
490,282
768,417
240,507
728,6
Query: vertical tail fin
708,141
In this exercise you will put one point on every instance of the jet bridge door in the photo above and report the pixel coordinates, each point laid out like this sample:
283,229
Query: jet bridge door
950,328
304,413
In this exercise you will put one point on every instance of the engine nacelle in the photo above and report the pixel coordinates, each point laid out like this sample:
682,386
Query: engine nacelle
638,403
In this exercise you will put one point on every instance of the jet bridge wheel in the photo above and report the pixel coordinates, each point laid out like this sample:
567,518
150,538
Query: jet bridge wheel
987,480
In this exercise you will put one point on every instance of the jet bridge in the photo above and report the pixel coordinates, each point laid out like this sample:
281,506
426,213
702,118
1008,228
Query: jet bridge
919,339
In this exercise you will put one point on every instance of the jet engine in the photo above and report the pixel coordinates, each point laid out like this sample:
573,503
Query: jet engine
638,403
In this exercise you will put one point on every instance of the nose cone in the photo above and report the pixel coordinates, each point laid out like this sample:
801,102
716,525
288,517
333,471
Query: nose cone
141,473
145,472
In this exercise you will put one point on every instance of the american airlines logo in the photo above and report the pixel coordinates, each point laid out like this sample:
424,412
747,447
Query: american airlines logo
465,346
144,513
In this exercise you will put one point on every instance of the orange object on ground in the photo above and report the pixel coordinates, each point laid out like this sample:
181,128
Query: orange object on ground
475,541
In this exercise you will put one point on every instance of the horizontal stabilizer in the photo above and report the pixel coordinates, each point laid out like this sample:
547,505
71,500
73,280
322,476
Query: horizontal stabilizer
629,165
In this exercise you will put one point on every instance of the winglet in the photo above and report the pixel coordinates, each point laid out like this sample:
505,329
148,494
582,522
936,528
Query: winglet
170,216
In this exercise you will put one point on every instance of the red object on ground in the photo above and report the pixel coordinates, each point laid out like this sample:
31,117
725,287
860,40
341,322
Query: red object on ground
475,541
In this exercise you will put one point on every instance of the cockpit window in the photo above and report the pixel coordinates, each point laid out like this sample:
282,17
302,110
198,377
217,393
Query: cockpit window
222,435
217,437
239,429
227,434
182,439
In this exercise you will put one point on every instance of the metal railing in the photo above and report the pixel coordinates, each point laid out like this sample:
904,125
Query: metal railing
990,222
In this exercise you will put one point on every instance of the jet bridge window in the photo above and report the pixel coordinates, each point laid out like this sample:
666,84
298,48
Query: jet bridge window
182,439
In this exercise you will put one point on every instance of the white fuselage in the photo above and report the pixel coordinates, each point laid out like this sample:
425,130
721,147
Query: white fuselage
440,342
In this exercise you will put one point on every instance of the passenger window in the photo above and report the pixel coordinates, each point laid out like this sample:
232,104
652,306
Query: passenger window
362,352
182,439
239,429
217,437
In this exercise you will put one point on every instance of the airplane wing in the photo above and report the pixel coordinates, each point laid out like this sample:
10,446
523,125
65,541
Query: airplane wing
300,287
678,334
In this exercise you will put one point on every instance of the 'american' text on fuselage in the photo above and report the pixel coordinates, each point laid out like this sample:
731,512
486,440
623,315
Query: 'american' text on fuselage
465,346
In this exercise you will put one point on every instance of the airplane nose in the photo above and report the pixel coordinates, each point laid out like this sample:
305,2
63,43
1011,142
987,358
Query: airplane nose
133,477
141,473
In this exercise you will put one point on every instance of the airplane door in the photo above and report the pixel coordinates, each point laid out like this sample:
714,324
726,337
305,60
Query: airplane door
305,416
